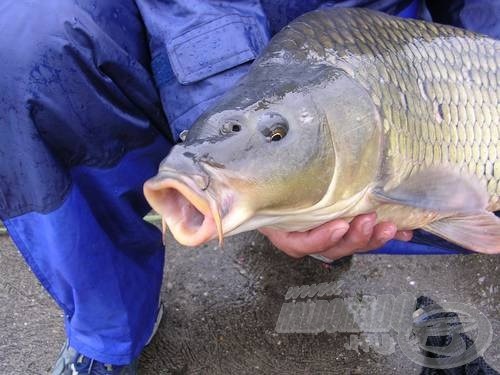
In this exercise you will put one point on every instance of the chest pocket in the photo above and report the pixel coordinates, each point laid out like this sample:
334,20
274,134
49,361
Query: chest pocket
214,47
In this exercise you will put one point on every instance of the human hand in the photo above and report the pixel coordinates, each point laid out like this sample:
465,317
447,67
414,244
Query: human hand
337,238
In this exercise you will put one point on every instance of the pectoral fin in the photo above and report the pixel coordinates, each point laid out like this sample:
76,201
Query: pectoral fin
479,232
438,190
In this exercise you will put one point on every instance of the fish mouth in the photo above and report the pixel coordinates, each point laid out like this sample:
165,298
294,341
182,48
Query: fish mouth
187,208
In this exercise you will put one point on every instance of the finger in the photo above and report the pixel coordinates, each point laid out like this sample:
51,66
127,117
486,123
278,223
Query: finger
358,237
360,232
404,235
298,244
382,232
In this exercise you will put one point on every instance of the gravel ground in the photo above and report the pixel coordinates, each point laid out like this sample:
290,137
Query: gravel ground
222,308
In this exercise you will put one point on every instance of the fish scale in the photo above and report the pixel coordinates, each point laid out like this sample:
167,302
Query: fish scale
346,112
437,88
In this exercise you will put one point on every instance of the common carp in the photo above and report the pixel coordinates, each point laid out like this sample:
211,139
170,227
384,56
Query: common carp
347,111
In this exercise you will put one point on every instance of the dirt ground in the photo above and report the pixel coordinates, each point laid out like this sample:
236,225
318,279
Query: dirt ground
223,306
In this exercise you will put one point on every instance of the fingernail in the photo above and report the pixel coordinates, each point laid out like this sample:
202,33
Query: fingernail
338,233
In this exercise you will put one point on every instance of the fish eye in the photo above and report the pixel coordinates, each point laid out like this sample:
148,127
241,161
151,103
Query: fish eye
277,134
273,126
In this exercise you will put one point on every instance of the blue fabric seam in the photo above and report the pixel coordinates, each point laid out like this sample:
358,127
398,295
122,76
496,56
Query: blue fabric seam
20,211
64,195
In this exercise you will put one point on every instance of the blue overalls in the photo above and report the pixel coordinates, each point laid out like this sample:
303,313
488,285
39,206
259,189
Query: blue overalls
92,96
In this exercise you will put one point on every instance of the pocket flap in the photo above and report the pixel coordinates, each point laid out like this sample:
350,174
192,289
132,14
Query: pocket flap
215,46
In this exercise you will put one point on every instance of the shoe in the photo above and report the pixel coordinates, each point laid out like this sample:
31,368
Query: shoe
70,362
443,332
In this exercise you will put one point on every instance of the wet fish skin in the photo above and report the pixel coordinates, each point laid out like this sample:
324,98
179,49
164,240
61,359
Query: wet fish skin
436,87
383,114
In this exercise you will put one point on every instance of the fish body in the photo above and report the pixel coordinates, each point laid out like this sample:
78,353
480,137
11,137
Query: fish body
347,111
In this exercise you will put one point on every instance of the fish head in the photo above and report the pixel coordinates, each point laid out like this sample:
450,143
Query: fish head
262,152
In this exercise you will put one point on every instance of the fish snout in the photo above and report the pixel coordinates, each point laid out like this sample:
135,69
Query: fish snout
180,160
185,207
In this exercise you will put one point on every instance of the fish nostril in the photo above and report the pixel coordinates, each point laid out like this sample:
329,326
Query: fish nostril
203,182
229,127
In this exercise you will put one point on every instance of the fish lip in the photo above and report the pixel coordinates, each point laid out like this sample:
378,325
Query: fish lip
178,198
